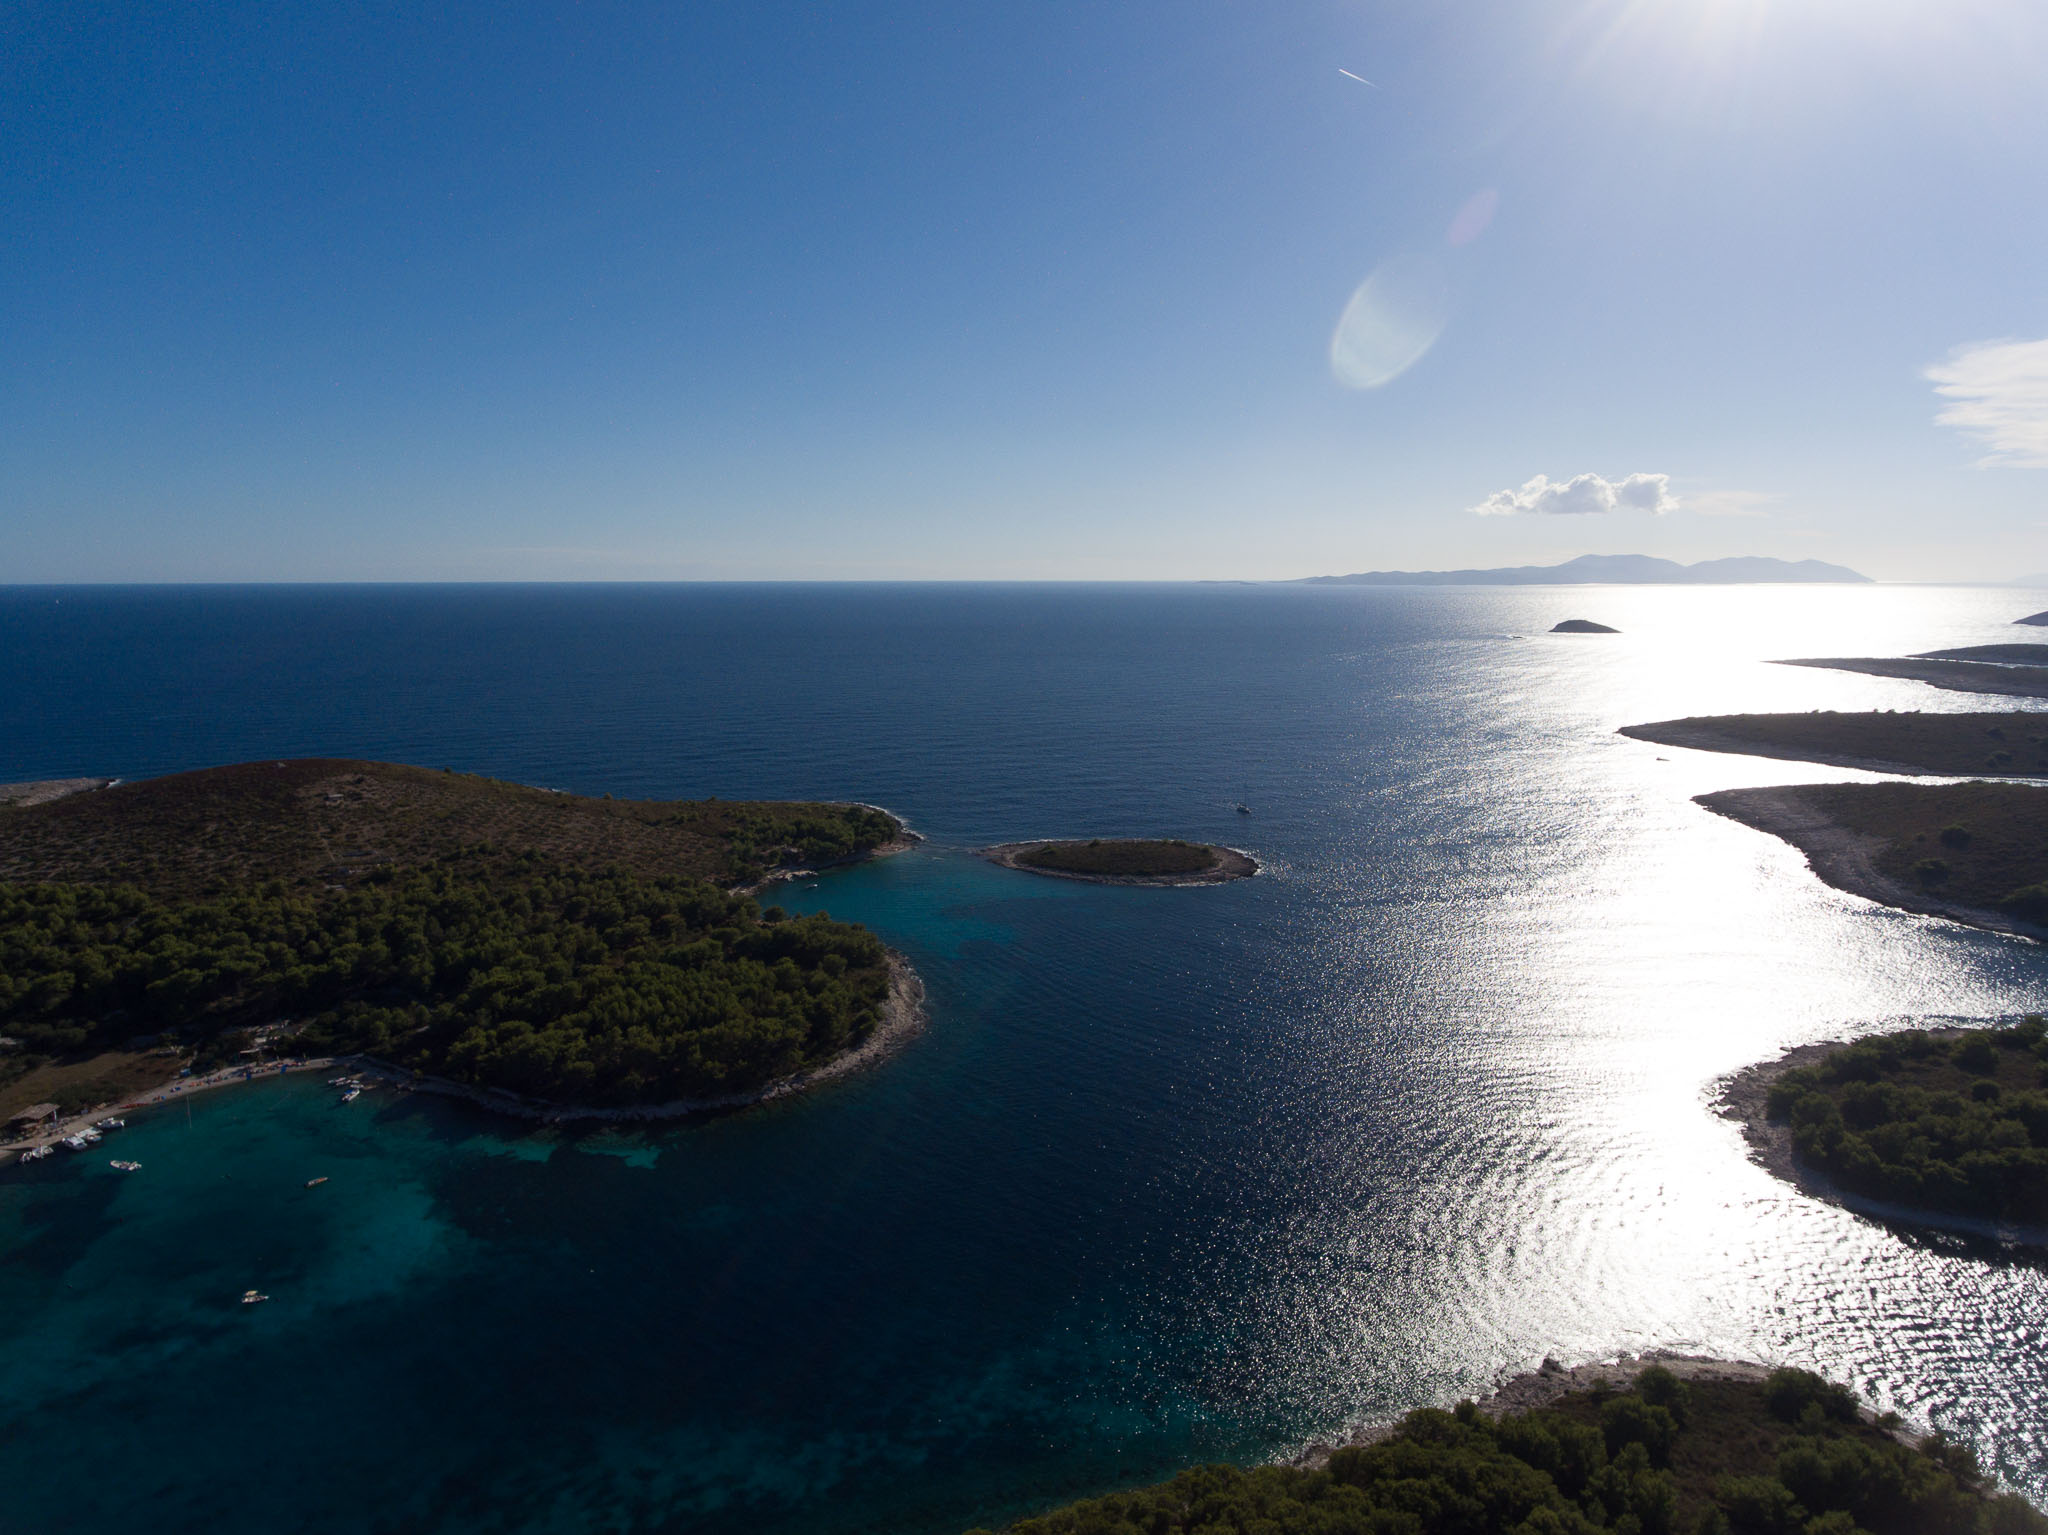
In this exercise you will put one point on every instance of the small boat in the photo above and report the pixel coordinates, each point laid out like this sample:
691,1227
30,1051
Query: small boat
253,1297
314,1183
351,1095
126,1167
75,1143
1244,810
111,1124
37,1153
89,1135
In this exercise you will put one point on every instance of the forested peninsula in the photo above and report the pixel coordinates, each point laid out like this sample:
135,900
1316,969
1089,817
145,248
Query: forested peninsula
1731,1450
577,951
1946,1123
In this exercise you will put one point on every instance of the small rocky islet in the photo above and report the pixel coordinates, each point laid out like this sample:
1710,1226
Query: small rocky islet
1126,860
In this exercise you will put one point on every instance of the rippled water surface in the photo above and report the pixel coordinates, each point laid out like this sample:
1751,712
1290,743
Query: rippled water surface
1174,1174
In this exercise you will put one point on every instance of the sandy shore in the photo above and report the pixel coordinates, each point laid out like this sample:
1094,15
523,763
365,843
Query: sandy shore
1540,1387
43,790
1232,863
1845,858
1745,1098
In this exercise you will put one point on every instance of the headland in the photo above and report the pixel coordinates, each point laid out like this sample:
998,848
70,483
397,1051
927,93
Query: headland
2011,745
1975,853
1662,1443
42,790
570,954
1931,1127
1955,676
1126,861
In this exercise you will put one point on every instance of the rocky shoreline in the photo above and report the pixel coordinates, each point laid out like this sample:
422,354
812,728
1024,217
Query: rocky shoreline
1843,858
904,1016
1745,1098
1544,1385
904,840
1231,863
42,790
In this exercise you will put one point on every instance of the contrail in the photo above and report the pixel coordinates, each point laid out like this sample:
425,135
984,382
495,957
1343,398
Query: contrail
1359,78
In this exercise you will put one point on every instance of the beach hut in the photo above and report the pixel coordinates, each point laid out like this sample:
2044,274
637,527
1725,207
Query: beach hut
35,1117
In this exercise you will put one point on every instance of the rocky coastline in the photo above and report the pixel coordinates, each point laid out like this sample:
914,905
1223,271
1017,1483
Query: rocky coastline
1844,858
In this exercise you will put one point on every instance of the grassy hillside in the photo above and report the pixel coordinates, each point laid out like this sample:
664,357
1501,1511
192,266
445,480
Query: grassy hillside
1786,1456
1983,845
1121,856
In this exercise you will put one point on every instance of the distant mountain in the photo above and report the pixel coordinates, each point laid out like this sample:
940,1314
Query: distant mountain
1612,570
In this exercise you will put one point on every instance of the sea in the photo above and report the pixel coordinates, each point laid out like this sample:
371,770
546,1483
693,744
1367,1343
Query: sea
1173,1176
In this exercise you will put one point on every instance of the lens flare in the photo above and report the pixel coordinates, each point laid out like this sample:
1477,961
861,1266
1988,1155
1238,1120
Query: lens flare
1391,322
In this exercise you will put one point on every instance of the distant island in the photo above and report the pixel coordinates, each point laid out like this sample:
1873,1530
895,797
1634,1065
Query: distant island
1640,1447
1944,1124
1581,626
2011,745
575,952
1126,861
1614,570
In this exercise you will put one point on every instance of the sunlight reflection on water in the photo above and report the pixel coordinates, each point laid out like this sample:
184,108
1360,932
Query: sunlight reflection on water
1174,1175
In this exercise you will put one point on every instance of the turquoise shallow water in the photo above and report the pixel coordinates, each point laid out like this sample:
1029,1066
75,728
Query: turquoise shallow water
1173,1175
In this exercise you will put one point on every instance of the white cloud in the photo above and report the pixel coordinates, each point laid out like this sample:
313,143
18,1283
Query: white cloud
2000,390
1581,494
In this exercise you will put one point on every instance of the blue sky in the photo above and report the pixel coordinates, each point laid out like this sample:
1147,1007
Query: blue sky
886,290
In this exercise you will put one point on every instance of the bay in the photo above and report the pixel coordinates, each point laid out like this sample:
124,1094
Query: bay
1172,1176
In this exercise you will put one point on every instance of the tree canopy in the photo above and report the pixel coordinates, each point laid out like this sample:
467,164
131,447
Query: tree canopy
1954,1124
591,960
1787,1456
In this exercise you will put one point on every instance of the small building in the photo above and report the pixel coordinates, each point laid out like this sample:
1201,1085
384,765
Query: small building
36,1116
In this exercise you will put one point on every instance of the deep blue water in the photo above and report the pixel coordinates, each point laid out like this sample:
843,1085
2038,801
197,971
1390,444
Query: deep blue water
1174,1175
